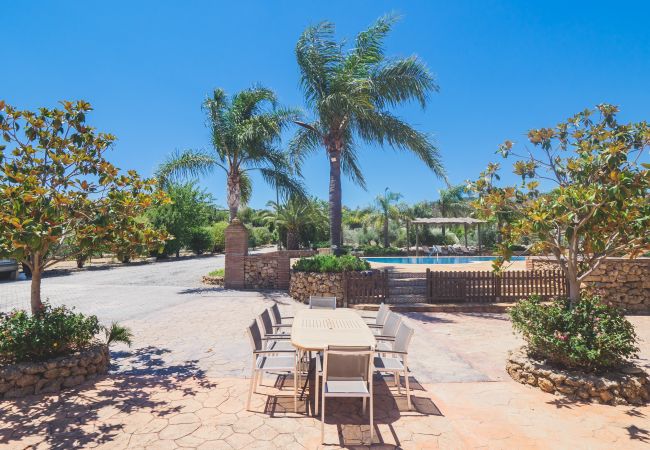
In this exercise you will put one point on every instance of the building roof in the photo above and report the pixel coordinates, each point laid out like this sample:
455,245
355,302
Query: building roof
447,221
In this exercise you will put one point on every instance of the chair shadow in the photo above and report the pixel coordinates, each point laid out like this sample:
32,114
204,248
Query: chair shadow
346,413
427,317
66,419
638,434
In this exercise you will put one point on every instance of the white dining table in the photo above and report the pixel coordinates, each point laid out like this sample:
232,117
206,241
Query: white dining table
315,329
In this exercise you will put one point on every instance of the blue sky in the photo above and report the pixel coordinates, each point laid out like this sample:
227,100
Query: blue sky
503,67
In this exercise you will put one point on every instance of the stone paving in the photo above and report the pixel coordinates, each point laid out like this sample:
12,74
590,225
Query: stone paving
184,383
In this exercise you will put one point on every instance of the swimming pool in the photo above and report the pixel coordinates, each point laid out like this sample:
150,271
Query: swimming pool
437,260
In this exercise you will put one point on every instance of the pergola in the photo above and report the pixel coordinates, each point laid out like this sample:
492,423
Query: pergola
440,221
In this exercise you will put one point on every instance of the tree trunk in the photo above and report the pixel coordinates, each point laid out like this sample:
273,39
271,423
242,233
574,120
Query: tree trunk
386,243
574,290
408,241
442,213
234,194
292,240
37,270
336,232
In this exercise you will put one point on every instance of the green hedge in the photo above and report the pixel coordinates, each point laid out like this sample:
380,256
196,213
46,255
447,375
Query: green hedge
589,336
330,263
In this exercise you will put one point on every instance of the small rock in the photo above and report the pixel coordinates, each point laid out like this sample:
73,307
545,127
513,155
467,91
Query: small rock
545,385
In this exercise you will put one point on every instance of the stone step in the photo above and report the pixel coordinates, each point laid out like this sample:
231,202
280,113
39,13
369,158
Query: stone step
407,298
412,275
407,282
400,290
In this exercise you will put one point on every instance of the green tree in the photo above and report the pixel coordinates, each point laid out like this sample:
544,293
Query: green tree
385,209
244,130
57,187
296,216
350,93
452,202
598,205
190,208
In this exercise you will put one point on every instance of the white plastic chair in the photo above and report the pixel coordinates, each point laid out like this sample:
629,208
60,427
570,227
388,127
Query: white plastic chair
322,302
270,360
397,363
347,372
380,318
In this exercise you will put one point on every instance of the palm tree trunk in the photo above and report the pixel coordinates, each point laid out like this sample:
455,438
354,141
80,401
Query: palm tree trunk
386,243
234,194
442,213
292,240
336,216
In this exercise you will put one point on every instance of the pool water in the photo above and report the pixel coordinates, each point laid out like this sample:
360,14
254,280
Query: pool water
437,260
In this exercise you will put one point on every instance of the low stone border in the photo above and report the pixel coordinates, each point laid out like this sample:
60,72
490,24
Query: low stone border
628,386
214,281
19,380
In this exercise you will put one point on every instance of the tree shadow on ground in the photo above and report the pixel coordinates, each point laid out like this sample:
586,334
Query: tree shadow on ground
81,418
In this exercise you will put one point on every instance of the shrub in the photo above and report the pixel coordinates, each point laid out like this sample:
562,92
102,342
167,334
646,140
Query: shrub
260,236
372,250
590,336
50,333
219,236
217,273
331,263
201,240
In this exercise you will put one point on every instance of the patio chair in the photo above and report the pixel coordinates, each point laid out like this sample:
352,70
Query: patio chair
322,302
275,340
275,361
388,331
279,319
397,362
347,372
380,318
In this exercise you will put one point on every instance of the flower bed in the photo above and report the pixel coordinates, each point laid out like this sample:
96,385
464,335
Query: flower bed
25,378
622,386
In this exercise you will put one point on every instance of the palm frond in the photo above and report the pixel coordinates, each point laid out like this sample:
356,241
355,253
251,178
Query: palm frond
370,42
384,128
317,54
400,81
245,188
350,167
189,163
304,143
287,185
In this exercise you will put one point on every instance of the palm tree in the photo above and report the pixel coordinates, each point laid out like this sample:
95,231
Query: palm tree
452,202
406,215
351,93
385,206
294,216
244,130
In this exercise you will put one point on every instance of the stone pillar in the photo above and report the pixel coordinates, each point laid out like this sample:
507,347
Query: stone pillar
236,252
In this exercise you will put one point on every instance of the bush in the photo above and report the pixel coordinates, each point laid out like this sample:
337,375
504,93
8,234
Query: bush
259,236
589,336
201,240
52,332
371,250
331,263
219,236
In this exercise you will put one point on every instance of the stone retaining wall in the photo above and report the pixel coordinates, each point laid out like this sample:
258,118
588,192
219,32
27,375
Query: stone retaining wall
271,270
19,380
630,385
304,284
623,282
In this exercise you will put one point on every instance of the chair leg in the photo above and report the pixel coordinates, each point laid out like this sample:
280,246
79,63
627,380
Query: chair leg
371,420
316,391
408,390
251,387
364,405
398,383
295,391
322,422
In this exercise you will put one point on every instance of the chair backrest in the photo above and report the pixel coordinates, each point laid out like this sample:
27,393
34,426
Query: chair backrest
341,362
255,336
403,338
392,324
275,311
382,314
265,319
322,302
